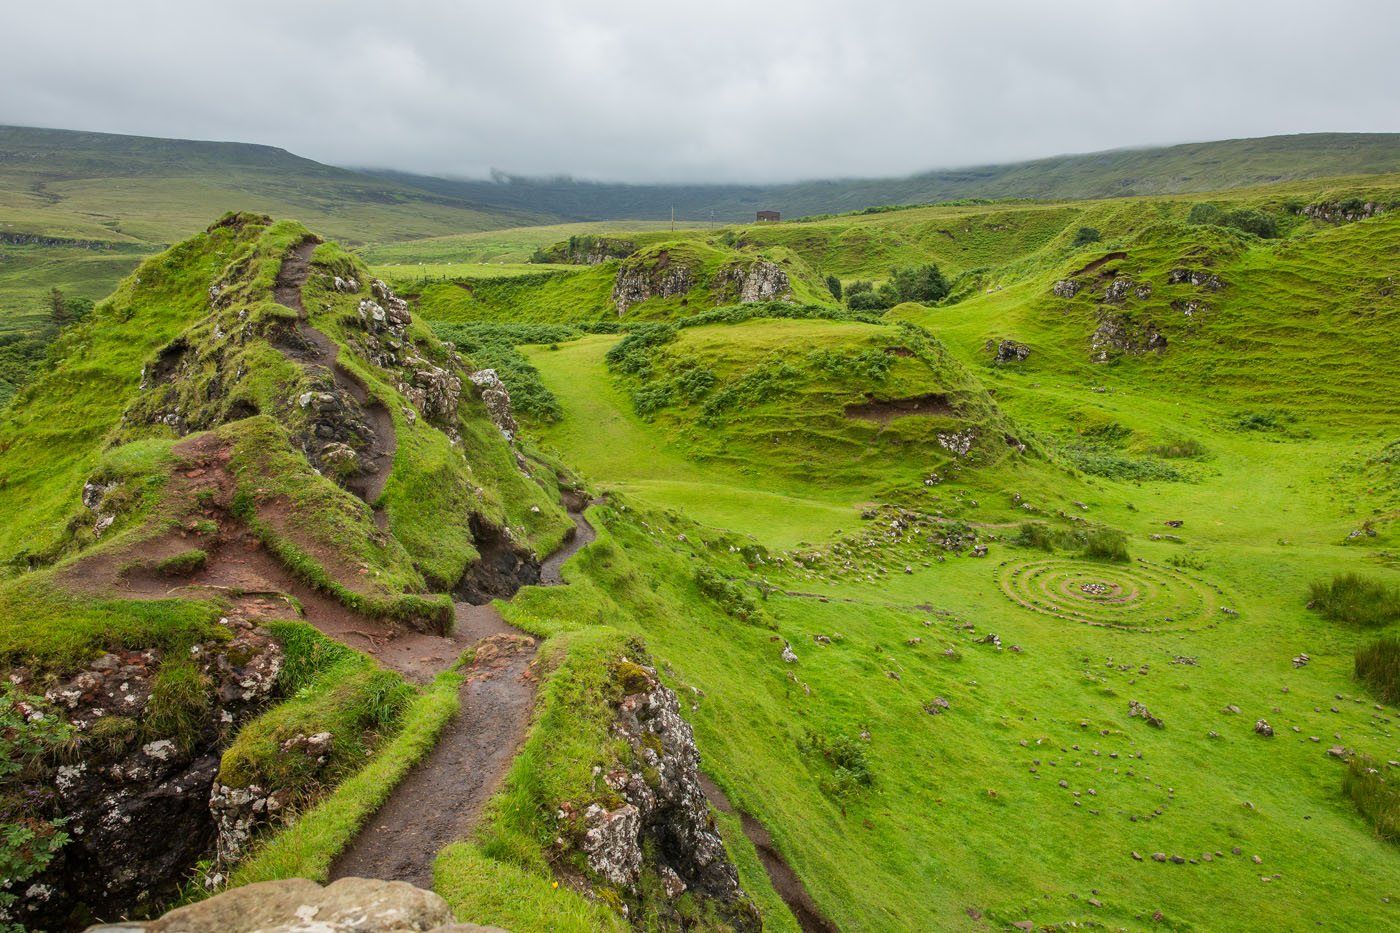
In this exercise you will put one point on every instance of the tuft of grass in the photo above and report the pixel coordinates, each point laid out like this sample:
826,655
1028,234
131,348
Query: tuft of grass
179,705
1355,600
183,564
1377,798
1106,544
1378,666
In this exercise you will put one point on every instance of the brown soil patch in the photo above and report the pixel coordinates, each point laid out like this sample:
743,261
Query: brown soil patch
785,881
886,410
1098,263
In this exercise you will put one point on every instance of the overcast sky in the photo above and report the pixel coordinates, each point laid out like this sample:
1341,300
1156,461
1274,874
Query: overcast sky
713,90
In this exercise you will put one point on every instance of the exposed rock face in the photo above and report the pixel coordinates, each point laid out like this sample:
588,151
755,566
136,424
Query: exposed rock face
1066,288
1339,212
137,805
1118,334
435,390
665,807
1197,277
1118,290
745,283
496,397
644,277
1009,351
297,905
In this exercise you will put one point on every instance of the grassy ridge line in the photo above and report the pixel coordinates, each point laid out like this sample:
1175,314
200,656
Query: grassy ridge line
308,847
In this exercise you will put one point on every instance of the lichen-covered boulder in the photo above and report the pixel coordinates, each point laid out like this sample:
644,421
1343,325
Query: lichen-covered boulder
297,905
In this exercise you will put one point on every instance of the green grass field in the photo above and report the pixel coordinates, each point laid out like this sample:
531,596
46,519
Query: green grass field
1054,655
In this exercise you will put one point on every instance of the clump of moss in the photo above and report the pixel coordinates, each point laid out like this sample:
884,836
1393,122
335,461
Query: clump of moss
631,677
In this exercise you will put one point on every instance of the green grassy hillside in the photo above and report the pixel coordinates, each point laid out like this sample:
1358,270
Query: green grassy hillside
937,697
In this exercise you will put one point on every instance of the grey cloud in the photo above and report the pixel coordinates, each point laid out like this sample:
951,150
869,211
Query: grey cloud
723,90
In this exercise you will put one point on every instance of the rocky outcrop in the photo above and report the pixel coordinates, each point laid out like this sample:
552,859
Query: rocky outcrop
1342,212
135,796
1008,351
1197,277
434,390
747,282
1066,288
297,905
653,276
586,250
663,823
1118,334
496,397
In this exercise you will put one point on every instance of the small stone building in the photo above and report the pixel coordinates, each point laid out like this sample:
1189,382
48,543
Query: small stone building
769,216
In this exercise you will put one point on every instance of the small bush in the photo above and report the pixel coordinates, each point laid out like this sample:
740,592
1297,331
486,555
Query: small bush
1203,214
1106,544
729,595
1378,667
1355,600
1086,235
1376,798
846,755
1036,535
833,285
1250,221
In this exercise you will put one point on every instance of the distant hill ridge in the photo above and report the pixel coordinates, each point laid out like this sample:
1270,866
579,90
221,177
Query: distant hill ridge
1190,167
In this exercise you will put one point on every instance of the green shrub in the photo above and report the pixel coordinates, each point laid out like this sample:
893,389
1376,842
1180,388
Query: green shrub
1106,544
1086,235
924,284
1251,221
847,757
1378,667
730,596
833,285
1036,535
28,839
1203,213
1355,600
1376,798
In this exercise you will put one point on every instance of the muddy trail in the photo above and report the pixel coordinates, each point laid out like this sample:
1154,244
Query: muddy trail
313,350
441,799
785,881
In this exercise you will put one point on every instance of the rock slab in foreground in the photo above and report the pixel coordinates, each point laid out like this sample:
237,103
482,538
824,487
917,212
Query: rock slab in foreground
362,905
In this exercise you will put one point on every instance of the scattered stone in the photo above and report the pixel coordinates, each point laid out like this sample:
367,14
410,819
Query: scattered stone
935,706
1301,660
1136,709
788,654
1263,728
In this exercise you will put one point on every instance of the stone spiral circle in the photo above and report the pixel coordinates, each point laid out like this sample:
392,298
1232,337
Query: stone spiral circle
1137,596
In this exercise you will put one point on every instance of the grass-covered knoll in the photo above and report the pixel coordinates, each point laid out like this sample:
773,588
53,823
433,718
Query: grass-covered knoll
842,404
51,437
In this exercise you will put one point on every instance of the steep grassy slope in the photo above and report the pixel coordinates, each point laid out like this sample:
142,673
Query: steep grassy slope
1209,166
